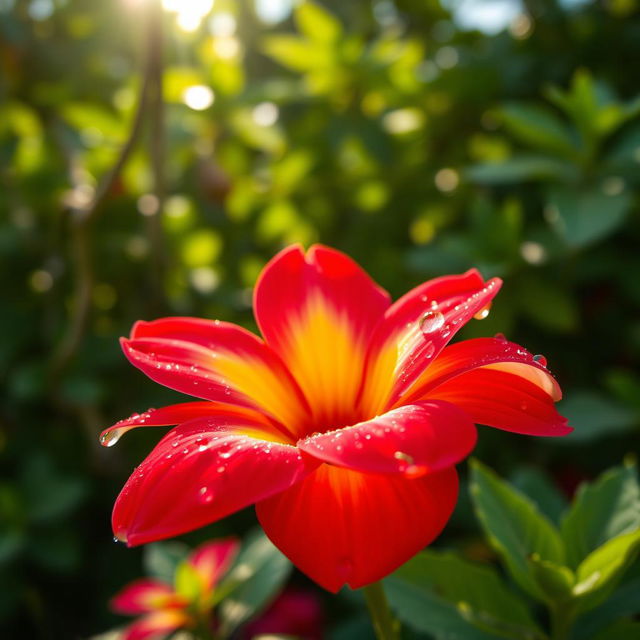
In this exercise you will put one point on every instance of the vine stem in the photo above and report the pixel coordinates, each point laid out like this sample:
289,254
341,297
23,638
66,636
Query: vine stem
561,621
384,624
82,216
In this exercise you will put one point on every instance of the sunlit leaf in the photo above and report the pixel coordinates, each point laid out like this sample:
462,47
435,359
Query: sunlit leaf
455,590
601,511
514,526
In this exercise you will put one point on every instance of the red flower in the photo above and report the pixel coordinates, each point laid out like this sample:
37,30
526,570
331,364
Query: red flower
343,426
163,607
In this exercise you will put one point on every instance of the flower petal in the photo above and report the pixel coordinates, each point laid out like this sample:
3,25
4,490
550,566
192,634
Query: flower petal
143,596
340,526
156,625
213,559
318,311
200,472
217,361
415,329
413,440
176,414
499,384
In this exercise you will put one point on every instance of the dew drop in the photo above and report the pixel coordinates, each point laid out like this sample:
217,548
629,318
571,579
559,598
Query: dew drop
500,336
431,321
404,457
205,495
222,469
429,350
414,471
109,438
483,313
540,359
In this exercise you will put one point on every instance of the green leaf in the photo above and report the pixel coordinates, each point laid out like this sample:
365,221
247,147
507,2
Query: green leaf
584,216
514,526
603,510
547,304
520,168
297,53
317,23
594,416
458,590
541,490
555,580
423,610
620,630
187,582
540,128
625,602
257,576
604,565
161,559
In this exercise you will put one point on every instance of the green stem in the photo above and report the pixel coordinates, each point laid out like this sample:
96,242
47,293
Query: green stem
384,624
561,621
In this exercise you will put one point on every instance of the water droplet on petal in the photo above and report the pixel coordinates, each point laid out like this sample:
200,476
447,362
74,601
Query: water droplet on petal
120,536
205,495
429,350
524,406
431,321
540,359
414,471
404,457
500,336
109,438
483,313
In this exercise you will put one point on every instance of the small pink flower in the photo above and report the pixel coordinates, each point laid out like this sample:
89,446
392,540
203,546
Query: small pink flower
161,608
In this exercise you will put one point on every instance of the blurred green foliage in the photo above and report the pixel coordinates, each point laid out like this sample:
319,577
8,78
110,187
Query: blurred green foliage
379,127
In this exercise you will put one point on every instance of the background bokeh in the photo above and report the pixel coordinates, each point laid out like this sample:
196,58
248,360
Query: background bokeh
421,137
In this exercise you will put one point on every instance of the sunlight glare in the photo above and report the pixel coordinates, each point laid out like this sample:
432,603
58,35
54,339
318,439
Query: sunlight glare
198,97
189,12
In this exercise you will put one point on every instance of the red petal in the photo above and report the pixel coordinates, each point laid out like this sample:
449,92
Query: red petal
494,353
217,361
175,414
413,439
143,596
200,472
213,559
504,401
415,329
498,383
340,526
156,625
318,311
